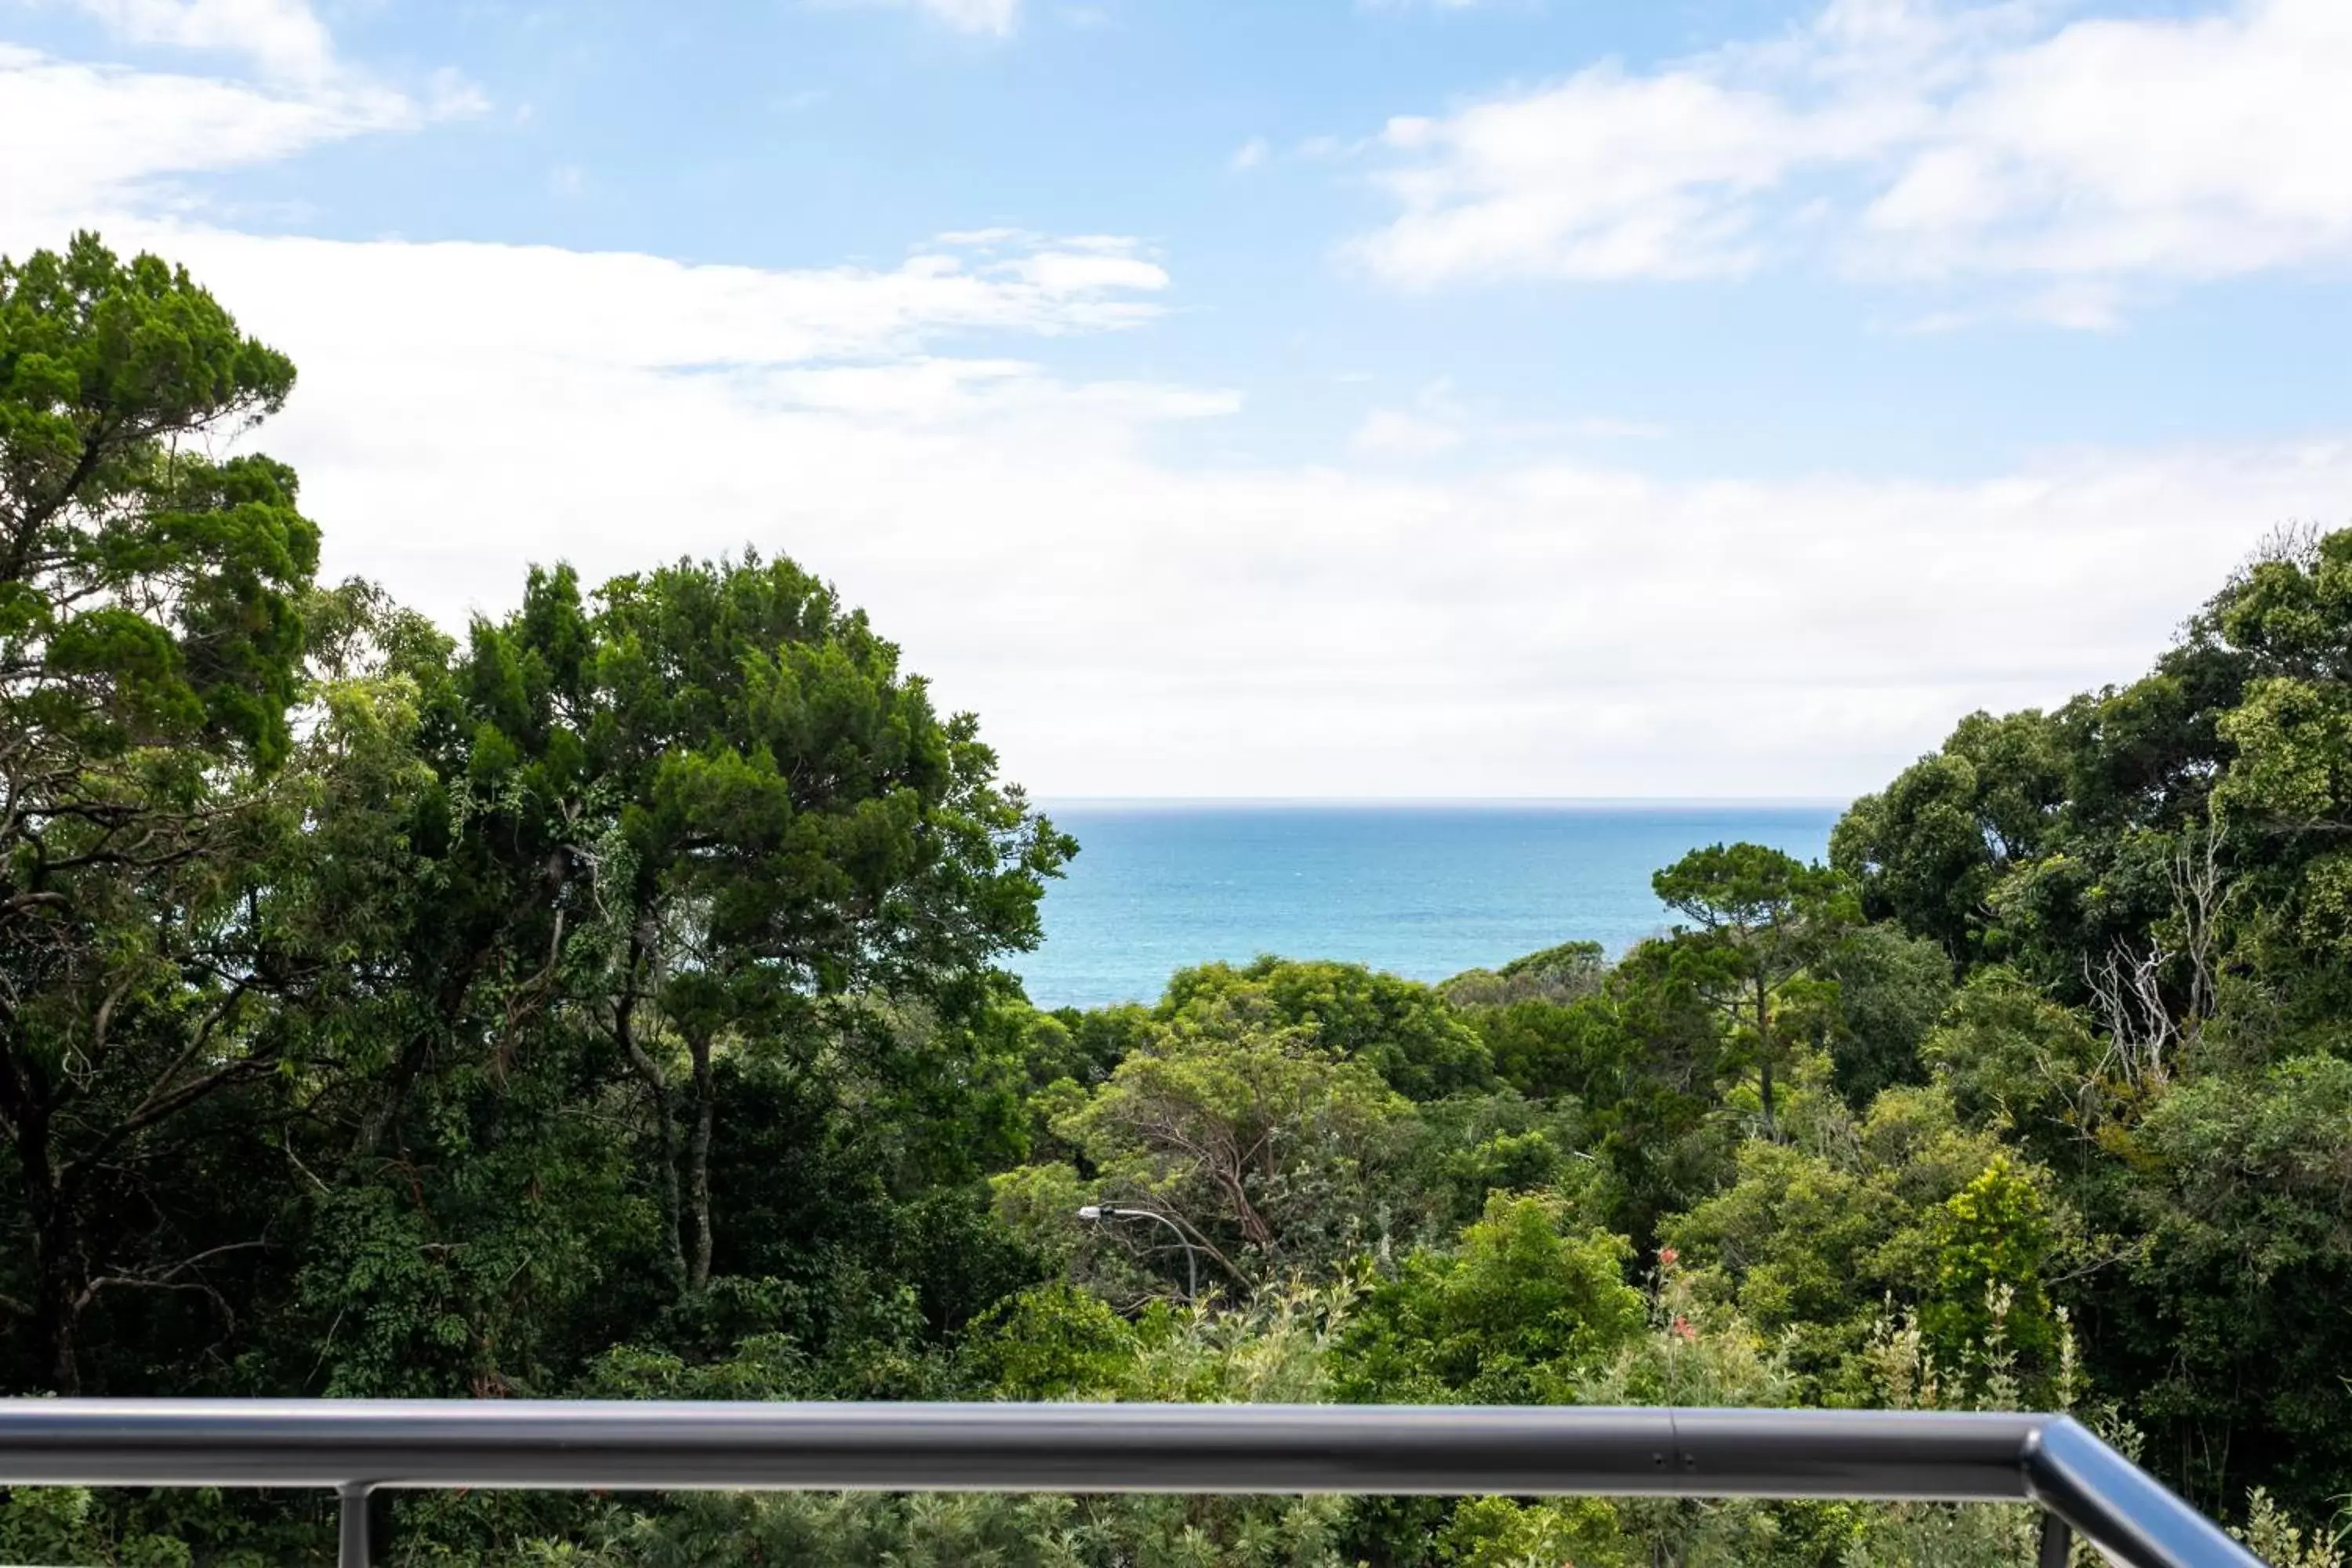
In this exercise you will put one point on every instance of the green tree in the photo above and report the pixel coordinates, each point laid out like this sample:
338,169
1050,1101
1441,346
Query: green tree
1529,1303
1993,1241
1403,1030
1259,1141
151,643
1930,849
2021,1065
1760,918
1646,1059
1892,987
1906,1205
1497,1533
1555,975
2232,1332
1052,1342
756,838
2155,868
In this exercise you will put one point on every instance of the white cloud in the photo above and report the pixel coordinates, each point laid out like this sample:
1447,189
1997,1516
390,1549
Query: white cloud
1131,626
1921,138
83,138
1081,267
2077,304
987,238
1127,625
628,312
2199,148
1605,176
284,38
1250,154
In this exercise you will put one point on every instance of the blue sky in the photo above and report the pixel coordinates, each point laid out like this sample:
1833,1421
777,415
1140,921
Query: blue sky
1513,398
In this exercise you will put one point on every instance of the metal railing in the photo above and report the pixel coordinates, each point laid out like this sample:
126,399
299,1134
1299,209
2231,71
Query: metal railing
360,1447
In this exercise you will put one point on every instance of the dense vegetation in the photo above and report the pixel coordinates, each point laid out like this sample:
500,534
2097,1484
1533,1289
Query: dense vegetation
613,1003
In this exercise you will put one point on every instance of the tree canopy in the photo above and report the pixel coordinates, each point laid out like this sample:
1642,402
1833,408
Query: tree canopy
610,1001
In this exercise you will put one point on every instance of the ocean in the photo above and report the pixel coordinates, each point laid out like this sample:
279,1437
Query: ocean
1424,892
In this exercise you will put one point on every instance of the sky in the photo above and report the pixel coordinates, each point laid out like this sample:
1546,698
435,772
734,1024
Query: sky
1326,398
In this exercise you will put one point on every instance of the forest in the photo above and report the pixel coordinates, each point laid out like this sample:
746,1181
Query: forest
619,1000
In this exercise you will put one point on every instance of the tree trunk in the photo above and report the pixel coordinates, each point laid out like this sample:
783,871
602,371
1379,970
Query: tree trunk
377,1124
57,1252
650,1074
449,999
56,1309
699,1161
1764,1056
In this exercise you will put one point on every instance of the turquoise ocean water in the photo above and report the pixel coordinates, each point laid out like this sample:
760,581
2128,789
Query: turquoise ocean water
1423,891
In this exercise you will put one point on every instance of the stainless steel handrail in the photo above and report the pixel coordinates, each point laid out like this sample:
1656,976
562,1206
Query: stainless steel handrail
357,1446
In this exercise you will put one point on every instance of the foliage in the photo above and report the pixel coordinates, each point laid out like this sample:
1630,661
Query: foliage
1514,1316
1761,923
2143,889
1052,1342
150,639
1403,1031
1557,974
612,1003
1992,1242
62,1524
1256,1139
1905,1206
1892,988
1497,1533
2279,1541
2247,1214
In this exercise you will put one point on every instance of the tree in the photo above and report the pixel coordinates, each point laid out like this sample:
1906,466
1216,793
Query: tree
1931,849
1907,1206
151,643
1993,1240
1761,917
1253,1137
2232,1330
1892,987
756,837
1404,1030
1646,1058
1527,1304
1555,975
2287,797
2019,1064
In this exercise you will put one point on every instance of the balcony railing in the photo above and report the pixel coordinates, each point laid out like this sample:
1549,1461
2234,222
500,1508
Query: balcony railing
360,1447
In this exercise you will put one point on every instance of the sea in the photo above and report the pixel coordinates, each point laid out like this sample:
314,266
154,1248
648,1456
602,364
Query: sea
1421,890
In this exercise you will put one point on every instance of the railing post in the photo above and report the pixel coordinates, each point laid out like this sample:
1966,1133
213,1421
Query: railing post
356,1526
2057,1543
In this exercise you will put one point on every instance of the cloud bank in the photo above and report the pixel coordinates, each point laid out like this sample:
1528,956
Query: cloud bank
1422,618
1904,138
1131,626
